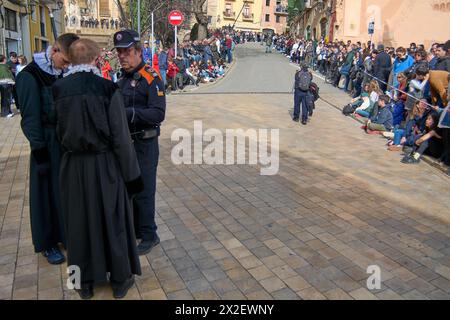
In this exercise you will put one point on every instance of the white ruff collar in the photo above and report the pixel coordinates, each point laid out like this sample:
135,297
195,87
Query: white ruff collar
44,62
83,68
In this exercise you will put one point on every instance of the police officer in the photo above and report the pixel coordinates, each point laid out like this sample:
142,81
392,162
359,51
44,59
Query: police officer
145,104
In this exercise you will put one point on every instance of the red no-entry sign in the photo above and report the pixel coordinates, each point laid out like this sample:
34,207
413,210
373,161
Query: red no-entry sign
176,18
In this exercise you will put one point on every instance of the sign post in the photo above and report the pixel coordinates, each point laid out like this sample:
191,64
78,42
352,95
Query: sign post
176,18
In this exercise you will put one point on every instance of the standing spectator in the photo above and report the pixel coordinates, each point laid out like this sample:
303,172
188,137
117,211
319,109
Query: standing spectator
147,53
229,45
402,62
433,59
13,63
382,67
443,58
417,87
22,64
163,64
6,83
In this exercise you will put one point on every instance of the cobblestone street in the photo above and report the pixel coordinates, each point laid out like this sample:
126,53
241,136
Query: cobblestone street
339,203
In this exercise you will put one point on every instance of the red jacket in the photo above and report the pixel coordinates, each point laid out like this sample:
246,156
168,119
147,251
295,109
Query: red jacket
229,43
155,63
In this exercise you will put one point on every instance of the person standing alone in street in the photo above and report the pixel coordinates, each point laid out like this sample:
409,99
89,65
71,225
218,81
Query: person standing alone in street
34,89
303,80
145,105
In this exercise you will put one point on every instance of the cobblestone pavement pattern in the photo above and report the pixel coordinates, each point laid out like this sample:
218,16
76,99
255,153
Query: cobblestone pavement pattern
339,203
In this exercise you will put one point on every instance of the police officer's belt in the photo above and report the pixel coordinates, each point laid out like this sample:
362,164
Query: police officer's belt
145,134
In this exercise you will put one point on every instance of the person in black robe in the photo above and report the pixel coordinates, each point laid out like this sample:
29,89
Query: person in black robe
99,173
38,123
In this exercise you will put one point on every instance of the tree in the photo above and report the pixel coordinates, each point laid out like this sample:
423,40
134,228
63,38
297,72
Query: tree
161,9
201,17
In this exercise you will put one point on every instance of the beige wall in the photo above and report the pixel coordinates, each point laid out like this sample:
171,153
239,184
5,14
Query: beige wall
253,24
397,22
278,27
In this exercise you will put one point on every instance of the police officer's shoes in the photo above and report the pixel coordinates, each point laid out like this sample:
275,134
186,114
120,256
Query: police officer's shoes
147,245
86,292
296,119
120,289
304,122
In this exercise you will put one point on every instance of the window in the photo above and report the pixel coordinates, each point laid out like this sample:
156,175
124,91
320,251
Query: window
10,20
267,3
278,19
267,17
228,9
36,45
104,8
246,12
44,45
42,20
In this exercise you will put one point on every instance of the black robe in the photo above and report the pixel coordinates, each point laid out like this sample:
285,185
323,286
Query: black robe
98,164
39,127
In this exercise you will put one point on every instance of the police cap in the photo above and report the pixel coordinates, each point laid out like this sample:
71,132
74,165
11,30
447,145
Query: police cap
126,38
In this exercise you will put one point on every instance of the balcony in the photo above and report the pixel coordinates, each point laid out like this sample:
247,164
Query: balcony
281,10
229,15
248,17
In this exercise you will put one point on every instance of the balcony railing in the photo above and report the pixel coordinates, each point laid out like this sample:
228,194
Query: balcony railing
229,15
248,17
281,10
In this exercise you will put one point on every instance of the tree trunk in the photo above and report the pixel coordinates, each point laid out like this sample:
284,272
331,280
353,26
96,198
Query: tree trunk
202,31
123,16
201,18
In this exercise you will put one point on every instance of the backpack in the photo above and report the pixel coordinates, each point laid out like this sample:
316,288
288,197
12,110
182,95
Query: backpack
304,80
349,109
314,89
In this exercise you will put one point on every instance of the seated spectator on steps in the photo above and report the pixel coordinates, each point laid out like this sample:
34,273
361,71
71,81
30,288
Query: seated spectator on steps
399,100
382,121
417,87
429,141
374,92
406,135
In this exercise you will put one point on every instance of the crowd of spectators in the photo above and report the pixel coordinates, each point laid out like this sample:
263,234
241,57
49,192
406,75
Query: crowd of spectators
401,93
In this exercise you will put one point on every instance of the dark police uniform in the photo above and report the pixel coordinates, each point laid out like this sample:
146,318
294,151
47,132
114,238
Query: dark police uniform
145,102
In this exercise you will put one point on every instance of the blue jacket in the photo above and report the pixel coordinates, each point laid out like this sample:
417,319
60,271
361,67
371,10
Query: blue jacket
400,66
384,117
162,61
147,54
398,113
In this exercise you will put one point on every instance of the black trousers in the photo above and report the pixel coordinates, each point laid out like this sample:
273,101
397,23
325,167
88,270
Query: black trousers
5,91
147,152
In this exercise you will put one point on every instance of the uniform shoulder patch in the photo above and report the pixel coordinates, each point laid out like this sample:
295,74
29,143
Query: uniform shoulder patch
147,75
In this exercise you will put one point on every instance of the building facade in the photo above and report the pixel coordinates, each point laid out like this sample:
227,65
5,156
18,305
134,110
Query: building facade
397,22
313,19
93,19
275,15
27,26
243,15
